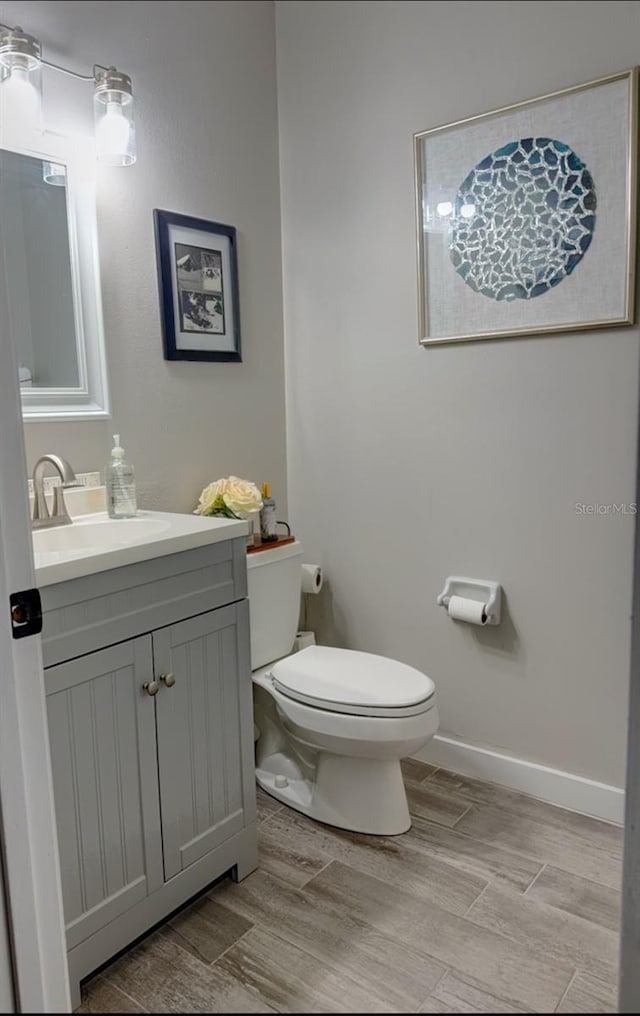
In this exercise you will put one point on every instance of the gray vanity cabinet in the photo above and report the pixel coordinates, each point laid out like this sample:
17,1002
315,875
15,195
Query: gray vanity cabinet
154,793
103,757
199,747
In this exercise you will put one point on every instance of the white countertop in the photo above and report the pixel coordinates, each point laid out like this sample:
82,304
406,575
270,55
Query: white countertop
96,543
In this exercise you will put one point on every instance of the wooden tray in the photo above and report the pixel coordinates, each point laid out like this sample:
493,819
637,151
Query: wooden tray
280,542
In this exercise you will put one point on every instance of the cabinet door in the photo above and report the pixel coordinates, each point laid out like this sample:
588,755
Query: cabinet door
103,755
205,733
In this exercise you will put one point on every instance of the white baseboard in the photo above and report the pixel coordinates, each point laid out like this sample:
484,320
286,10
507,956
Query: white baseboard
552,785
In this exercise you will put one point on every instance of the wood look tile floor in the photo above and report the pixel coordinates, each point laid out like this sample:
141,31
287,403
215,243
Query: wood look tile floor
493,902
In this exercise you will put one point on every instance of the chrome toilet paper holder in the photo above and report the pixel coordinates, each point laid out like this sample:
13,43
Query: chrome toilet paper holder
490,594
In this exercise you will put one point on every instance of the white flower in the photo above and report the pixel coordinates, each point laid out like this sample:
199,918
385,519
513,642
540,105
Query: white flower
208,497
241,496
229,496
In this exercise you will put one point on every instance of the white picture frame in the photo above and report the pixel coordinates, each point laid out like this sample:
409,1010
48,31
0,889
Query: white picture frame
510,290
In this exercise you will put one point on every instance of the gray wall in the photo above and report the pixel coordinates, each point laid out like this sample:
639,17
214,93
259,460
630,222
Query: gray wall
408,464
205,90
629,999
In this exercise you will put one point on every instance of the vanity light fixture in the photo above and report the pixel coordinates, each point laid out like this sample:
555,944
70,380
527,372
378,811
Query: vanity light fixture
54,174
113,113
20,75
21,65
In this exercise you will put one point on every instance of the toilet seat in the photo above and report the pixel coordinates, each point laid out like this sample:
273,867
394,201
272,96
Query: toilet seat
353,683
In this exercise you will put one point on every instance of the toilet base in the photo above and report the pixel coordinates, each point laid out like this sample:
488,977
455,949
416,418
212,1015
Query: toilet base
363,795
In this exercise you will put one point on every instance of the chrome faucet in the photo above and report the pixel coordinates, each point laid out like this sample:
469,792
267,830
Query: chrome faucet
60,517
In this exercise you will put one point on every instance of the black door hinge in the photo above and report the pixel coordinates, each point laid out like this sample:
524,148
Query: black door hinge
26,613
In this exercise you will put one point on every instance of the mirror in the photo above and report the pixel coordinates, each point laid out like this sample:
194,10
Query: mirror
38,269
49,249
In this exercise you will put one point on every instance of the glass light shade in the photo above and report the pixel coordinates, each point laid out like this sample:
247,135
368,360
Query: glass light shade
20,81
114,124
18,49
54,173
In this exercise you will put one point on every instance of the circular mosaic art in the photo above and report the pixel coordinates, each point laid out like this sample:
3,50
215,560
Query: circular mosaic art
524,218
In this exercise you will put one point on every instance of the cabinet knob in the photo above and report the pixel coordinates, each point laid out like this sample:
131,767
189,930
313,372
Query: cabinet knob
151,687
168,679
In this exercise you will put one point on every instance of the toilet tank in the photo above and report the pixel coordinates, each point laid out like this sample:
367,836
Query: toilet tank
274,578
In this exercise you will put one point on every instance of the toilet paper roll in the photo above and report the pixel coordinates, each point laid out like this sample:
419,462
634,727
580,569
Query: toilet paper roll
462,609
312,578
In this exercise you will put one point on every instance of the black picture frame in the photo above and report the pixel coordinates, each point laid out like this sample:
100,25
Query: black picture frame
198,285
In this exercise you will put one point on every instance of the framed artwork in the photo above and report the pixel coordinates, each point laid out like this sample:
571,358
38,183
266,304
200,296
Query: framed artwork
526,216
198,280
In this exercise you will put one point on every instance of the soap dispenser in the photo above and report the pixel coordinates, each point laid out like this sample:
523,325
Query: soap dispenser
119,479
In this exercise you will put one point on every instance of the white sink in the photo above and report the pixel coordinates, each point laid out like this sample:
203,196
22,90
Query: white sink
94,543
96,534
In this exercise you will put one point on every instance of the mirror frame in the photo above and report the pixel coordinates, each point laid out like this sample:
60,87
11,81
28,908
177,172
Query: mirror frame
90,398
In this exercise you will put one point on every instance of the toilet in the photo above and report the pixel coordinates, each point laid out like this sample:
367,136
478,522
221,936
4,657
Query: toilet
331,724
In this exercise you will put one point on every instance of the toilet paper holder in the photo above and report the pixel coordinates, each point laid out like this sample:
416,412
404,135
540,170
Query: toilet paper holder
490,594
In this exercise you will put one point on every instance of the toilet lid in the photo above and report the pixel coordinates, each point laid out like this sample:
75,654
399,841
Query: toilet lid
346,681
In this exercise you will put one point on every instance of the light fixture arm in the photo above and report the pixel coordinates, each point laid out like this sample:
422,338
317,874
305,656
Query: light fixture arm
75,74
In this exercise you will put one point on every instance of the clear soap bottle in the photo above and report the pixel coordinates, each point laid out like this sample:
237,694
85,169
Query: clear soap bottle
119,479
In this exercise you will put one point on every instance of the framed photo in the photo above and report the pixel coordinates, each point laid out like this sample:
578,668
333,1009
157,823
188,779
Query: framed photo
198,279
526,216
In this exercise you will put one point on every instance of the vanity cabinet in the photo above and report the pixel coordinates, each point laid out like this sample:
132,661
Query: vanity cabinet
154,789
198,723
103,758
